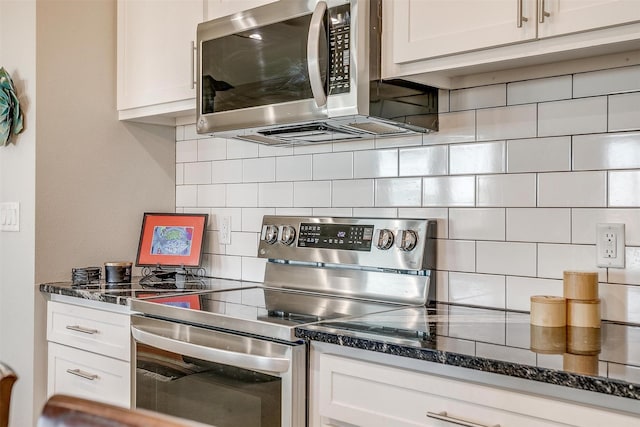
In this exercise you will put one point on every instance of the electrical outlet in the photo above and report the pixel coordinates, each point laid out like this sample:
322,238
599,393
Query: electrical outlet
610,245
225,230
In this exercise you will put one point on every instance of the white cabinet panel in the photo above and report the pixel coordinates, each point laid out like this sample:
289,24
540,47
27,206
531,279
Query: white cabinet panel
91,376
429,28
98,331
369,394
571,16
155,55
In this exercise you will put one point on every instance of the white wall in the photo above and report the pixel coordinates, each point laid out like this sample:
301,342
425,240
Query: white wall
83,178
517,177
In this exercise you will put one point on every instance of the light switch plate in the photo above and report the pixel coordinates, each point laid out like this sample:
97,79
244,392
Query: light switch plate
610,245
10,216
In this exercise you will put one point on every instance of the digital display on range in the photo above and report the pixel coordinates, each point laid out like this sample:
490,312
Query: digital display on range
336,236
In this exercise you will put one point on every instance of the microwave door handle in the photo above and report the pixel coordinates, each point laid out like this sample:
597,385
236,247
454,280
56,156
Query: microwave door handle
313,54
211,354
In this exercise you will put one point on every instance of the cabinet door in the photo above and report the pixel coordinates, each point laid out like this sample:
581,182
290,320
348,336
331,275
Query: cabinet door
571,16
155,51
423,29
84,374
218,8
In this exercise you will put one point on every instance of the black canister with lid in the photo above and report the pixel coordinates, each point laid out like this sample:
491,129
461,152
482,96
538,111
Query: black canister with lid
117,272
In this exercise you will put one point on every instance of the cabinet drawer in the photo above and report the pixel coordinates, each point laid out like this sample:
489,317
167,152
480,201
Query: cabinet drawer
88,375
369,394
101,332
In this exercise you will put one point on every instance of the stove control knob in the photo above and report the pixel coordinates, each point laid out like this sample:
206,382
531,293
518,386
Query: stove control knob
407,240
385,239
288,235
270,234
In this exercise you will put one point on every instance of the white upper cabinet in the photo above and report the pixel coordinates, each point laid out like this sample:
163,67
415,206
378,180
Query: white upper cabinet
219,8
430,28
438,41
156,58
572,16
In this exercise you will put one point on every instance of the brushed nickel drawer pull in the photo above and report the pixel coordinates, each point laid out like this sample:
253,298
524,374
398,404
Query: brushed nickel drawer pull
542,13
442,416
82,374
79,328
520,18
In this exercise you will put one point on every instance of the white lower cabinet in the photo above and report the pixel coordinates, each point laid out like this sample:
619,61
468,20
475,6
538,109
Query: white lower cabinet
353,392
89,353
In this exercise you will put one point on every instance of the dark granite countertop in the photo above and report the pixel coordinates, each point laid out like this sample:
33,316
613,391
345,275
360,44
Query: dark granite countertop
604,360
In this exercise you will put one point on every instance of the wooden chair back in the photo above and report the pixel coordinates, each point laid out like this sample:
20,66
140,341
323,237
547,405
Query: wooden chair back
68,411
7,378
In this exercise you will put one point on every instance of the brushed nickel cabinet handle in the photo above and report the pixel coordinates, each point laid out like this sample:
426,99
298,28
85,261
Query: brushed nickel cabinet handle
520,18
79,328
442,416
82,374
542,13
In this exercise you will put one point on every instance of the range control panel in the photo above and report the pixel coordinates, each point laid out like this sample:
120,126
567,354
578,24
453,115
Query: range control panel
388,243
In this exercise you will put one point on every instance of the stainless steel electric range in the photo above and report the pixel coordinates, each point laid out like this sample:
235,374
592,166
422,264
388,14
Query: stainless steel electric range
231,358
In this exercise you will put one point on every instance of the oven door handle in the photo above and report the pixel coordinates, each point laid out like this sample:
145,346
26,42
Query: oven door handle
212,354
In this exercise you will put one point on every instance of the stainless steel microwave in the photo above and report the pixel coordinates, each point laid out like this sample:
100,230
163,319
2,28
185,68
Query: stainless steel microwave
304,71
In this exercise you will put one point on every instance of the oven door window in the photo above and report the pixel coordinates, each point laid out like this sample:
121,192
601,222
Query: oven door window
207,392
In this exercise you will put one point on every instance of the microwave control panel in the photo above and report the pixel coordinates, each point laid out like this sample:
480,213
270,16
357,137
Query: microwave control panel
339,49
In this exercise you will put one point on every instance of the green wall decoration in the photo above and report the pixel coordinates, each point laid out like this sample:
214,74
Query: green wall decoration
10,113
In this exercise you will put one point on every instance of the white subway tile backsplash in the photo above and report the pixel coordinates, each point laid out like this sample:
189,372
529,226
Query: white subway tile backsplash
243,244
477,158
275,194
186,151
212,149
259,170
517,190
539,90
398,192
515,259
606,151
252,218
624,112
294,168
584,224
620,303
242,195
333,166
197,173
358,192
179,173
576,116
477,289
605,82
477,223
441,215
432,160
375,163
453,127
238,149
520,290
554,259
624,188
315,194
478,97
630,274
517,177
539,155
518,121
456,255
186,195
448,191
226,172
572,189
539,225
